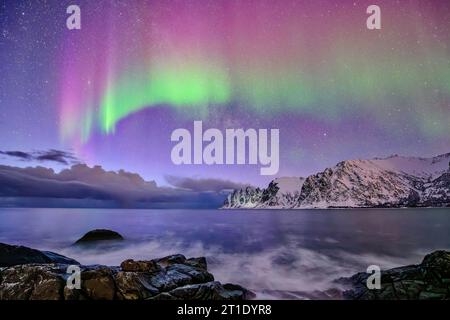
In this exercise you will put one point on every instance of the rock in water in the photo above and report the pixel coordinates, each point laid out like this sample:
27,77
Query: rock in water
17,255
99,235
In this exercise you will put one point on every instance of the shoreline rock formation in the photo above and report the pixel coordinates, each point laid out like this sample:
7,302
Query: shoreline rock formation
16,255
429,280
174,277
177,278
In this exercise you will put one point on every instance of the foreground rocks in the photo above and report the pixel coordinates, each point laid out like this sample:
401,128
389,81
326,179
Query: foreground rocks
172,277
429,280
28,274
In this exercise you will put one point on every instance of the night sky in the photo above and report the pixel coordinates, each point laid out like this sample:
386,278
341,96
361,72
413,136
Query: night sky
113,91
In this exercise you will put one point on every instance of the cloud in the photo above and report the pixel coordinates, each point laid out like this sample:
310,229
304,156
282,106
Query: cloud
203,185
18,154
41,186
59,156
52,155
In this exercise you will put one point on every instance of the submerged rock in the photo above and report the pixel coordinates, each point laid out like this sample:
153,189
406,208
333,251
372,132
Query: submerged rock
172,277
16,255
99,235
429,280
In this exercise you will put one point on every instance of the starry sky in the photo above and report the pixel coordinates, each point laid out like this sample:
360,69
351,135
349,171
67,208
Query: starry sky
113,92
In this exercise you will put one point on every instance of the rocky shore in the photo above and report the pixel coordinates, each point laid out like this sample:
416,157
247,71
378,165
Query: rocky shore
429,280
28,274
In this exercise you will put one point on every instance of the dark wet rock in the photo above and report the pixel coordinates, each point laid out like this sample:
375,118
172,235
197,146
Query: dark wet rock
16,255
99,235
134,286
172,259
98,283
203,291
139,266
31,282
172,277
58,258
429,280
195,275
247,294
198,262
71,294
177,275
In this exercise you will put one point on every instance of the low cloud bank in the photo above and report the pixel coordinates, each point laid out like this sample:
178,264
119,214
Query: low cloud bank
82,186
52,155
204,185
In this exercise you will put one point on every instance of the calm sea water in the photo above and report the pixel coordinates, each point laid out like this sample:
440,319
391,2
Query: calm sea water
267,251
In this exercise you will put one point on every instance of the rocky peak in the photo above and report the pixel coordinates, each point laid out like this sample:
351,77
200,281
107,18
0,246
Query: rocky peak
395,181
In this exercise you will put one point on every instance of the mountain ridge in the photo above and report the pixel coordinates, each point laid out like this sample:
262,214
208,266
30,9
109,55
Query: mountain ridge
395,181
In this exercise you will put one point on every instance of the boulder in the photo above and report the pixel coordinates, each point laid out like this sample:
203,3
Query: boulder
172,259
246,294
178,275
31,282
429,280
203,291
198,262
16,255
98,283
139,266
58,258
134,286
97,235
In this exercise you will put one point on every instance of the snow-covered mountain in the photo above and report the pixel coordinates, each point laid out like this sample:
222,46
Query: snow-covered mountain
395,181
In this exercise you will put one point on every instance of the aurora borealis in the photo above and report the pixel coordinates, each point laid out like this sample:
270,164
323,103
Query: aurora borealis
114,90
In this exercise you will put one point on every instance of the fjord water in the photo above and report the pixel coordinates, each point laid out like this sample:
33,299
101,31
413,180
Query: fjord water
276,253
